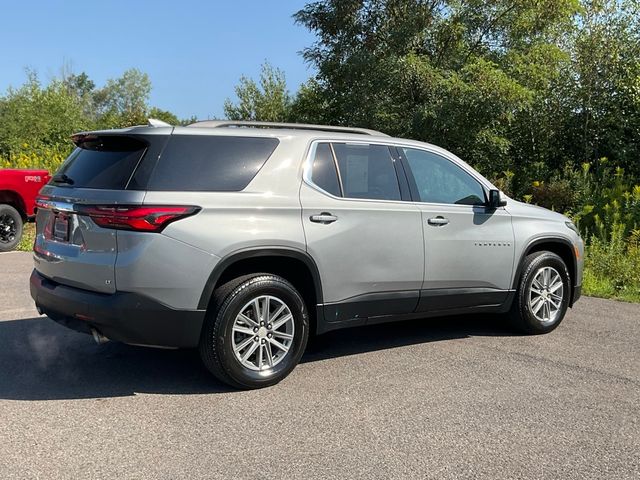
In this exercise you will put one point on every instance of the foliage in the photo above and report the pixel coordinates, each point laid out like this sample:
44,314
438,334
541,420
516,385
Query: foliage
268,101
308,104
533,87
557,195
36,117
605,204
608,198
28,237
36,121
49,158
123,100
164,115
458,74
612,268
604,87
597,197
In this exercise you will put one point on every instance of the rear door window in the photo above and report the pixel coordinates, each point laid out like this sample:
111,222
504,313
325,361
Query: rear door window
367,171
210,163
324,174
105,162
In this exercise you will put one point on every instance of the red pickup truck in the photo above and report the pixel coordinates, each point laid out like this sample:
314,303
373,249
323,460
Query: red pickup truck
18,190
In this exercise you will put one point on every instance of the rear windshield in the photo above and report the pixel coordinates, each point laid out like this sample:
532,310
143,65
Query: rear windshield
210,163
100,162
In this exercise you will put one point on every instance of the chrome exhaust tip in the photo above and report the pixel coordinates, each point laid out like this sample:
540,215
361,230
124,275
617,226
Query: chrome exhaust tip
98,337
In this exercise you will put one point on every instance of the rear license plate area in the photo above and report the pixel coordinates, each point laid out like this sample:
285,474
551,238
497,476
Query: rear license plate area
61,228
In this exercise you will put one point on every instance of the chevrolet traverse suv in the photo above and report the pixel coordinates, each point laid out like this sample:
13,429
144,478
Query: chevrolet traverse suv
243,238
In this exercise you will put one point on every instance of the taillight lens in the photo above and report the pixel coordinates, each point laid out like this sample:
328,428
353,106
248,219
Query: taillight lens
147,218
41,202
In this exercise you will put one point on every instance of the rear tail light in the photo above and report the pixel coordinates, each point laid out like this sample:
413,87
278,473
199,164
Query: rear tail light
143,218
41,202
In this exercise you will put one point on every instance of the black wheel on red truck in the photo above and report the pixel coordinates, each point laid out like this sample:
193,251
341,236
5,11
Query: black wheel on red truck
10,228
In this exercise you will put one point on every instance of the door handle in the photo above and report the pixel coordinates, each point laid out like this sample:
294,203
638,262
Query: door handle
438,221
325,218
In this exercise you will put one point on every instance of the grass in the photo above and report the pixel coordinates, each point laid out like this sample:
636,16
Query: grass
593,284
28,235
599,286
612,267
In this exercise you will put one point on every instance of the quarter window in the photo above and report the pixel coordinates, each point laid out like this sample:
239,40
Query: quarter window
367,171
439,180
212,163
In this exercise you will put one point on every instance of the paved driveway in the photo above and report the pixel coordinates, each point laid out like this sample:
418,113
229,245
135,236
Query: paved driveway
449,398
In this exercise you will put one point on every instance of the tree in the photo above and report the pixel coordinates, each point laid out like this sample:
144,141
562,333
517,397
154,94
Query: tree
82,88
445,71
268,101
33,116
79,85
36,121
124,101
164,115
309,105
604,85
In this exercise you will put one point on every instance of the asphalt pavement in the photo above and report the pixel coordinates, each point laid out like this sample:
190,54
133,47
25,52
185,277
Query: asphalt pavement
460,397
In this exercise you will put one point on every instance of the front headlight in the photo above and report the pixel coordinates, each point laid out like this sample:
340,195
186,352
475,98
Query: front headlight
572,227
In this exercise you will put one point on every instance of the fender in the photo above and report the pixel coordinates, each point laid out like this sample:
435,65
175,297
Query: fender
537,241
256,252
19,188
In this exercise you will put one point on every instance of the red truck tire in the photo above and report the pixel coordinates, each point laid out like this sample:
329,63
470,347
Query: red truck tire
10,228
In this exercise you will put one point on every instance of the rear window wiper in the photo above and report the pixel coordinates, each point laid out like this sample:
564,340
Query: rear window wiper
63,178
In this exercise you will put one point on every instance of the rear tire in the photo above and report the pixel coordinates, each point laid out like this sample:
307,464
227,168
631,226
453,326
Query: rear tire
543,294
10,228
255,332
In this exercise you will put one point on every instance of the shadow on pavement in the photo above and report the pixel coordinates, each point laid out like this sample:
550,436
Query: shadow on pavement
41,360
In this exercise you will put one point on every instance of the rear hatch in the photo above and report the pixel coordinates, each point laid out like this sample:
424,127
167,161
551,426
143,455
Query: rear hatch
101,174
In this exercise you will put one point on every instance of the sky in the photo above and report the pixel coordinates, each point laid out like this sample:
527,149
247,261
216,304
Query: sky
193,51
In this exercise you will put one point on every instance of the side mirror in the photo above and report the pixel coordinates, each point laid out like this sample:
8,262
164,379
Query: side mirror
495,200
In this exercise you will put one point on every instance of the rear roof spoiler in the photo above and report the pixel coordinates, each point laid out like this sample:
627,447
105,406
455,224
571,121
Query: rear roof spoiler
292,126
154,122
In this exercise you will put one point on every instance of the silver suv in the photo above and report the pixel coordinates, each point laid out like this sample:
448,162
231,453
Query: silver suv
242,239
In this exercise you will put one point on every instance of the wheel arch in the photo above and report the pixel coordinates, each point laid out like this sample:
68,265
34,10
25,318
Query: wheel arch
558,245
13,198
296,266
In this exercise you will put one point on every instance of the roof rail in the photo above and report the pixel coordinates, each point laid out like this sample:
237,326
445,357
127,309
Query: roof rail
293,126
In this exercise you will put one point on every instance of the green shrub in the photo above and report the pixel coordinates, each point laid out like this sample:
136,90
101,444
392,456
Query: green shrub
558,195
612,267
49,158
604,203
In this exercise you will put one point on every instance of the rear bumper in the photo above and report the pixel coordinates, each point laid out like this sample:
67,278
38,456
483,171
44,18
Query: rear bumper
122,316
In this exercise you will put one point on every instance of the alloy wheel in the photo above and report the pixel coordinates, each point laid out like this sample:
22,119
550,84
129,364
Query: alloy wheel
263,333
546,294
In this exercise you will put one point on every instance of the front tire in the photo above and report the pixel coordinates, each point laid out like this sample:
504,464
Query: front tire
10,228
543,294
255,332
